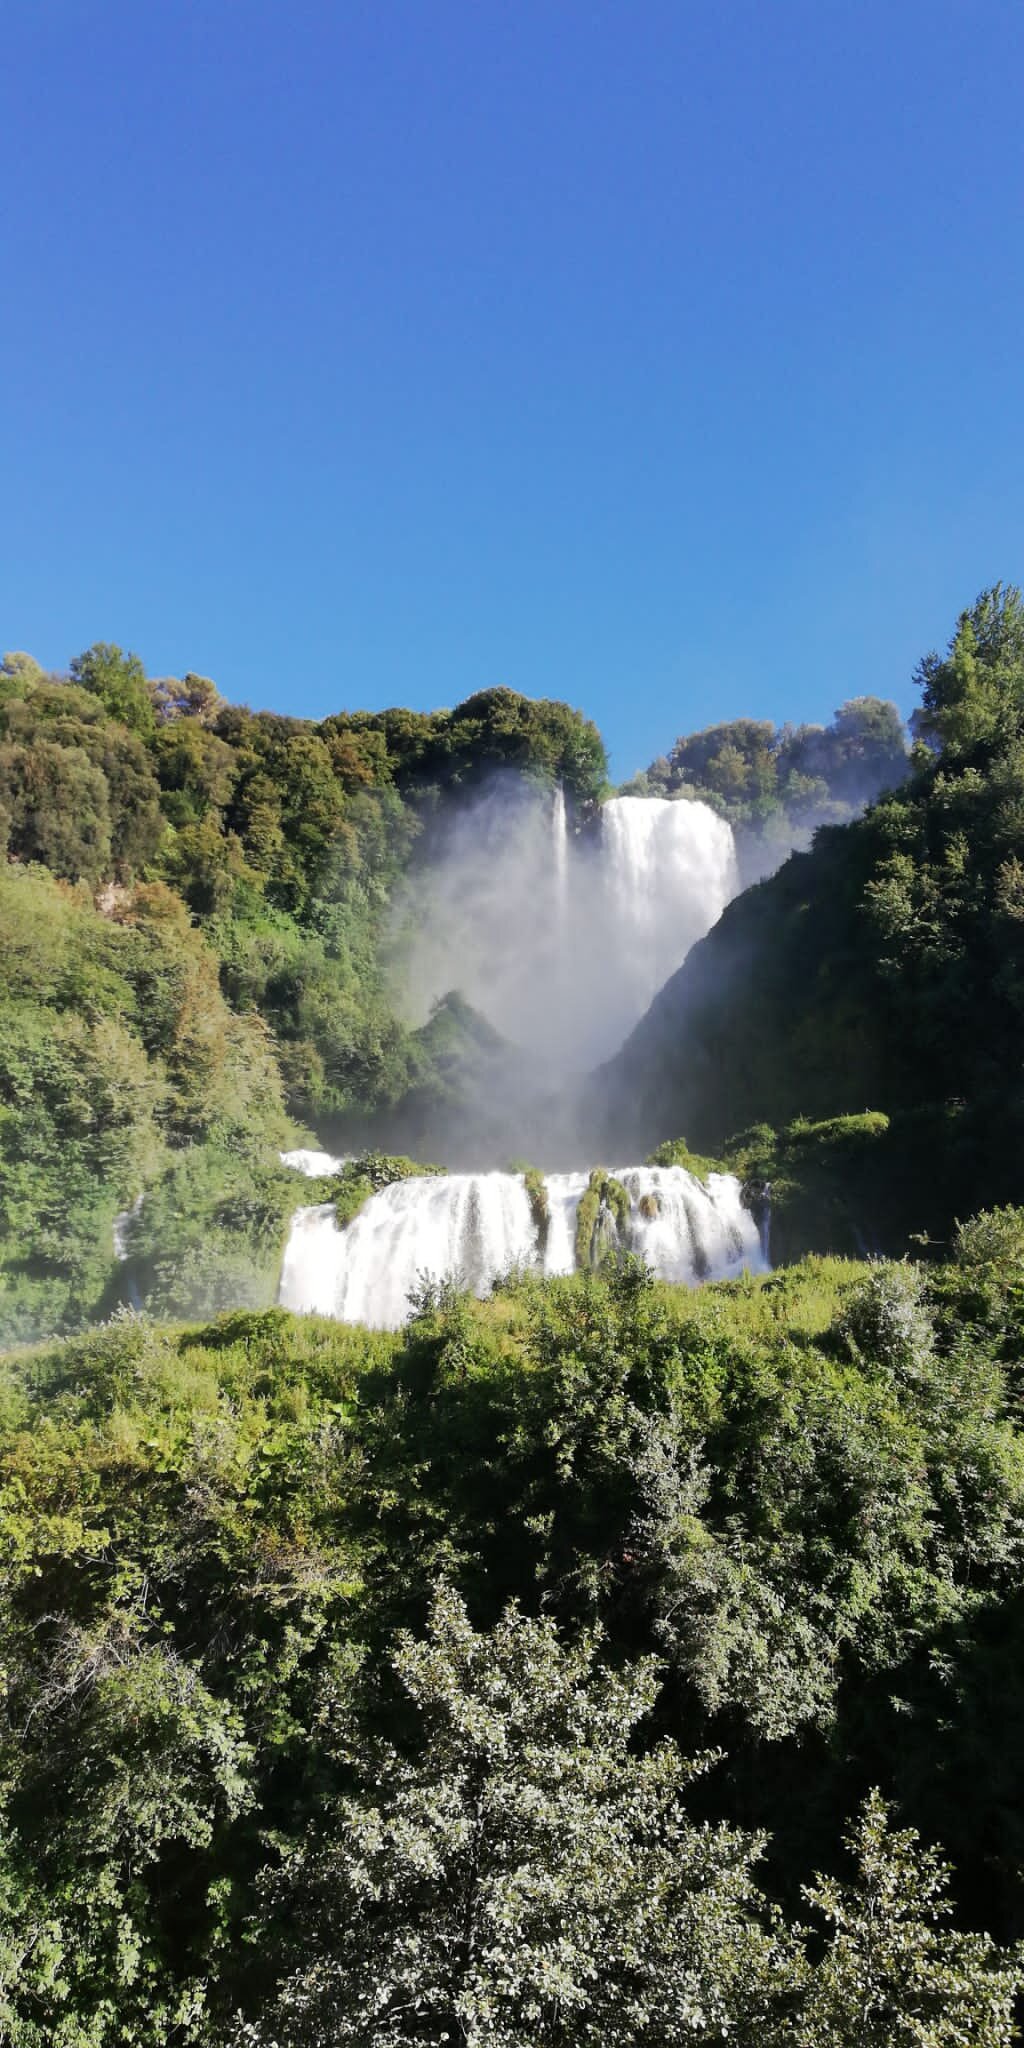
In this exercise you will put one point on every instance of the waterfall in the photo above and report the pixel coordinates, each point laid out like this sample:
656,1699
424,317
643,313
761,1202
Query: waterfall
562,939
313,1164
668,870
475,1227
560,859
122,1230
563,969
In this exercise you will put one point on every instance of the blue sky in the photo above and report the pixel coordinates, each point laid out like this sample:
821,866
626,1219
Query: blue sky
661,356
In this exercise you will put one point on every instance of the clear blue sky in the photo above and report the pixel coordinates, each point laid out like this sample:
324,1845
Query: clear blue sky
662,356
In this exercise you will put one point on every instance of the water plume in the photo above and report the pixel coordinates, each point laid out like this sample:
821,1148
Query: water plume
560,937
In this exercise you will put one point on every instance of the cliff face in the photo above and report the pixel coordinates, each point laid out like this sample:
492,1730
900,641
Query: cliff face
882,970
775,1014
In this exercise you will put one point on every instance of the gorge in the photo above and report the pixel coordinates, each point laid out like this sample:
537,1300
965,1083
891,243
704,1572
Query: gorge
528,915
274,1384
559,933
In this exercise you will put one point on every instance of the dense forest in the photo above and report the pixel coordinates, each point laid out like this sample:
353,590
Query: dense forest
194,925
777,784
881,971
602,1661
195,913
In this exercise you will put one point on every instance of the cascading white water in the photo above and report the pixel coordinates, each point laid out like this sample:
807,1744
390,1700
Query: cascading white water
561,939
123,1224
475,1227
560,857
313,1164
668,869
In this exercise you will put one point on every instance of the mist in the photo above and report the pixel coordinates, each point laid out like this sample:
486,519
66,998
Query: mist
559,936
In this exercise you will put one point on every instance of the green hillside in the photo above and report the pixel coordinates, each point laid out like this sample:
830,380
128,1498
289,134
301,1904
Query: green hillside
193,930
603,1661
882,970
517,1673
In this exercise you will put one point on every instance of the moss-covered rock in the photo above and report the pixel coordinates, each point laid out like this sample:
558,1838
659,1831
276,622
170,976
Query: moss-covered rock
676,1152
537,1196
352,1188
540,1208
602,1219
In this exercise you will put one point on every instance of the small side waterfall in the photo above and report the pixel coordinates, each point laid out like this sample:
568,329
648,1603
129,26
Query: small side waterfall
475,1227
122,1230
313,1164
560,859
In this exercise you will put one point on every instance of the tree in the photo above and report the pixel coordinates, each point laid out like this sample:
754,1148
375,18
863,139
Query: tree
862,752
977,690
193,697
891,1975
523,1875
56,801
735,761
119,681
19,674
885,1319
156,1763
57,715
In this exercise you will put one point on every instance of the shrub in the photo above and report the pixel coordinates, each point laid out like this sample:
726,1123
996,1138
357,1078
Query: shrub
886,1321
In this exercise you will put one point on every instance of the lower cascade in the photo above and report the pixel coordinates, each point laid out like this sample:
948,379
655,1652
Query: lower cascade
475,1227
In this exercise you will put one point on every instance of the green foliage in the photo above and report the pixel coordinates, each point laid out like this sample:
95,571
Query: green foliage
815,1182
119,681
360,1178
524,1875
195,698
164,1584
885,966
79,787
891,1975
536,1187
260,1780
602,1219
431,755
975,693
121,1068
992,1244
676,1152
19,675
56,807
349,1680
886,1319
540,1208
210,1233
284,838
778,782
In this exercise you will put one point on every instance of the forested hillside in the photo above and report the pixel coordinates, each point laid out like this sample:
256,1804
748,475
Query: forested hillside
197,916
883,970
601,1661
515,1680
778,784
193,916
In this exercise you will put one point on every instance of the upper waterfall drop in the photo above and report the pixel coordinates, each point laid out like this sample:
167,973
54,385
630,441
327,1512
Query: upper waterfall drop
475,1227
560,936
668,870
560,856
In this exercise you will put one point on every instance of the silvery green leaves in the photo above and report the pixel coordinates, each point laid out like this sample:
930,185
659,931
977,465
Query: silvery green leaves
524,1874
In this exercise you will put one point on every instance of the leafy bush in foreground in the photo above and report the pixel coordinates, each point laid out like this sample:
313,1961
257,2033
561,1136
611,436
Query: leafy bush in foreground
337,1662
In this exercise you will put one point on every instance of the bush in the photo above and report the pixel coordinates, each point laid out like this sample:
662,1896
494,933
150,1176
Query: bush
992,1243
887,1322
